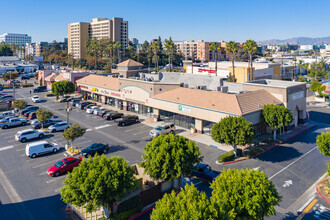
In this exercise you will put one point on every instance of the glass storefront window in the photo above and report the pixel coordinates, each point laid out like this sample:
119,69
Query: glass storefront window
207,127
177,119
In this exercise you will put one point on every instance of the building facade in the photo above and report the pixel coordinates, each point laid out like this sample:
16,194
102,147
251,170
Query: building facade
188,49
115,29
18,39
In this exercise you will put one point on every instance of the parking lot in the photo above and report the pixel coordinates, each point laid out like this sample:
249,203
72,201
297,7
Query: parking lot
28,176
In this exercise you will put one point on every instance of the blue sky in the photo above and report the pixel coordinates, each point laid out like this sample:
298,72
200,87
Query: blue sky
208,20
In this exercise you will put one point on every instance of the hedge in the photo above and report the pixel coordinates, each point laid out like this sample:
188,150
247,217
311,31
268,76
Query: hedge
125,215
229,155
27,85
132,203
50,94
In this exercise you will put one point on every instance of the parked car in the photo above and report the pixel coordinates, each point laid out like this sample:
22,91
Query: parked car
88,106
36,124
103,112
29,108
163,129
26,114
113,115
39,89
32,115
65,99
74,101
92,149
130,119
96,111
6,114
82,104
1,93
6,119
204,171
7,98
29,134
91,109
35,99
63,166
59,126
39,148
26,76
13,122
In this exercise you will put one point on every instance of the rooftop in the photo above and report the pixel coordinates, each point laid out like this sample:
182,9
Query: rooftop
275,83
100,81
129,62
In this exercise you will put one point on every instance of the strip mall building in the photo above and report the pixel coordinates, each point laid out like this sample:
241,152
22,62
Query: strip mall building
195,108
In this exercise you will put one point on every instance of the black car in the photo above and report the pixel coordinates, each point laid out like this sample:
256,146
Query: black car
30,108
112,115
26,114
204,172
92,149
130,119
74,101
40,89
88,106
37,125
65,99
25,77
82,105
103,112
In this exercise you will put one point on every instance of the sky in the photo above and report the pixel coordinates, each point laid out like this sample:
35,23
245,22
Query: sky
208,20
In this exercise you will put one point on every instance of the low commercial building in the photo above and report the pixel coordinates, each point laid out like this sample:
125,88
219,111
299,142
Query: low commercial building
48,77
193,108
130,68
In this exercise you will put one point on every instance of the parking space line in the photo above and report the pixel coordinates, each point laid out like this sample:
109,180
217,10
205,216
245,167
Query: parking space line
84,142
20,149
7,137
89,129
102,126
141,132
132,129
43,164
56,178
11,141
6,148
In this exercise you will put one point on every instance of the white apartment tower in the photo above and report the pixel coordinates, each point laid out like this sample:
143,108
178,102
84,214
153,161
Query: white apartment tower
18,39
115,29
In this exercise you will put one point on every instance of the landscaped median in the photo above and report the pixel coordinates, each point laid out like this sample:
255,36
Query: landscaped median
323,188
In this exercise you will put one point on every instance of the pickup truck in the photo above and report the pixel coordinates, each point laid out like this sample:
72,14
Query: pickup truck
13,122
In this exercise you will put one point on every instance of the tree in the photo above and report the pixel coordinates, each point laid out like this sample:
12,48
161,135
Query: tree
97,182
170,156
43,115
155,47
251,47
94,44
62,87
73,132
117,47
323,143
170,51
9,75
315,86
188,204
244,194
130,51
241,55
19,104
215,47
301,78
234,131
276,117
5,49
232,47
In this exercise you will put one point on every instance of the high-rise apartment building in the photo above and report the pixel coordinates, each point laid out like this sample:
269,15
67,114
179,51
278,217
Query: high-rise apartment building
18,39
188,49
115,29
203,51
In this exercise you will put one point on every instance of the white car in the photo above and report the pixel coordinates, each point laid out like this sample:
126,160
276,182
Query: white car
96,111
29,134
91,109
59,126
35,99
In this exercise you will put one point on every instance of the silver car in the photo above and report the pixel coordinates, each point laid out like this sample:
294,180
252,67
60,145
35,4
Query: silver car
163,129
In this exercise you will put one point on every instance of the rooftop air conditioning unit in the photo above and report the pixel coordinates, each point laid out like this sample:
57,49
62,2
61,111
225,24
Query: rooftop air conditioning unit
203,87
224,89
219,88
186,85
181,84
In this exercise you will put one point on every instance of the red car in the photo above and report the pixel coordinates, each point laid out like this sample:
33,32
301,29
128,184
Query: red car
63,166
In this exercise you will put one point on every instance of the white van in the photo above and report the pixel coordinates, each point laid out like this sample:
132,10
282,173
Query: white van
41,147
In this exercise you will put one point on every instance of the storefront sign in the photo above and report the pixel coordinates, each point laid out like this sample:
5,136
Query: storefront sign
297,95
104,92
184,108
205,70
95,89
115,94
127,91
84,87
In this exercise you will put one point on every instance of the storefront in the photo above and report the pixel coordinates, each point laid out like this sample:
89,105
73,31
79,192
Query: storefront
140,109
207,127
114,102
179,120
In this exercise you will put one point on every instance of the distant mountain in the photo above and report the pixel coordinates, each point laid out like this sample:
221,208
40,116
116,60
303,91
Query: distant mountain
298,40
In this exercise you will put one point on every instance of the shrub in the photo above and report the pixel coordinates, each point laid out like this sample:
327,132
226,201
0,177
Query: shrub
229,155
27,85
50,94
124,215
132,203
267,140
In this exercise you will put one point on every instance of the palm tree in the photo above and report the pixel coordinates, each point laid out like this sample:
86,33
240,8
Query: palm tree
250,46
300,64
170,51
118,46
155,47
94,47
232,47
215,47
111,47
103,42
88,51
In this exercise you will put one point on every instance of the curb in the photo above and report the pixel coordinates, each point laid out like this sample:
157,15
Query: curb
141,213
271,147
318,192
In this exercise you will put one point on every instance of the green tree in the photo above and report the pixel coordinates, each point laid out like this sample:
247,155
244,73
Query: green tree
170,50
234,131
232,47
130,51
251,47
276,117
155,47
5,49
244,194
323,143
170,156
19,104
9,75
215,47
315,86
43,115
301,78
188,204
118,47
97,182
110,48
94,45
63,87
73,132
